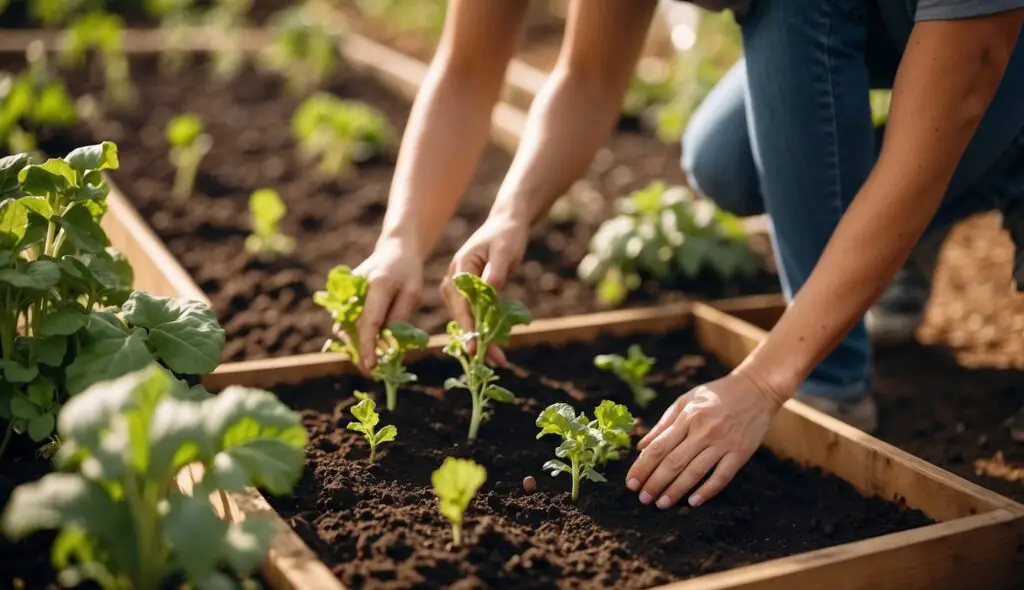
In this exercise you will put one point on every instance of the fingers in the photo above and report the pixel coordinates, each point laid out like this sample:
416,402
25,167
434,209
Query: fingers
656,451
670,416
669,469
724,473
379,297
499,266
686,478
496,356
405,304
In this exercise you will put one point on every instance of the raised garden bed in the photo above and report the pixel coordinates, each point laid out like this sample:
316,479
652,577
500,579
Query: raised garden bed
266,308
377,527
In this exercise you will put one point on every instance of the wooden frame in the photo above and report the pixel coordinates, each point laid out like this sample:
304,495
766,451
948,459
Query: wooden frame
977,542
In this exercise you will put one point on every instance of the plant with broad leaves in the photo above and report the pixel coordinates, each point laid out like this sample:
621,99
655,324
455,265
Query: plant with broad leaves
670,234
104,33
33,99
266,209
303,48
395,342
340,132
455,484
494,320
189,145
344,298
586,443
68,317
366,412
632,370
120,524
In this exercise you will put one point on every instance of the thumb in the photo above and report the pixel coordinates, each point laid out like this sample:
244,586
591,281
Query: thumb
498,267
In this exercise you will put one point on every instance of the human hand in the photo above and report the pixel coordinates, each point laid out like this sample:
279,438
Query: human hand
492,253
395,275
717,427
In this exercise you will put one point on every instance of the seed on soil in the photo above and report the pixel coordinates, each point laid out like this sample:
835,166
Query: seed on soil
529,484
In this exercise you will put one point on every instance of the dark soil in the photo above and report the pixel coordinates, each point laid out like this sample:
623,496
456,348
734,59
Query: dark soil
25,564
266,307
378,527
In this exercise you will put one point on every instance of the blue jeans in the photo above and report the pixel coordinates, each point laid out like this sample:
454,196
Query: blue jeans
788,131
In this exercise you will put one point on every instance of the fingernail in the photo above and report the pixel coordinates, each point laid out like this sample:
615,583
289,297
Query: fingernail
664,502
645,498
633,484
696,500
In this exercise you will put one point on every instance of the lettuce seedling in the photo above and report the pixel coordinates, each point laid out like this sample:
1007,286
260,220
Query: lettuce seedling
303,48
632,370
366,412
586,443
455,484
340,132
189,144
103,32
494,320
396,341
344,298
266,209
120,524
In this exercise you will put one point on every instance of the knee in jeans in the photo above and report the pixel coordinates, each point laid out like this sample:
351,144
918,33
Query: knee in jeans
716,180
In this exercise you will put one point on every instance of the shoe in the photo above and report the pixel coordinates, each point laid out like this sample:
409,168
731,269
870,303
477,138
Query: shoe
1013,223
860,413
895,317
1017,426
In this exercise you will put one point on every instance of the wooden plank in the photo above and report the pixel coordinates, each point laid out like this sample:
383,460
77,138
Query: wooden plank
976,552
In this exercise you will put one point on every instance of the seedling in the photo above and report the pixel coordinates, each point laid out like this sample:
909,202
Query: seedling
340,133
189,144
32,99
344,298
103,32
667,233
586,443
455,484
228,18
632,370
176,21
120,524
396,341
366,412
494,320
266,210
303,49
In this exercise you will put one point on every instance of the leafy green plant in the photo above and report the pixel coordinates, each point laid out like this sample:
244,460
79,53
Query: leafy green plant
303,49
632,370
52,13
669,234
586,443
426,16
104,33
396,341
32,99
340,132
494,320
266,210
344,298
68,316
189,145
455,484
366,414
120,523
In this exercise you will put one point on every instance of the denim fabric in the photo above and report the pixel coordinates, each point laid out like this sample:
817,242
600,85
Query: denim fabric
789,131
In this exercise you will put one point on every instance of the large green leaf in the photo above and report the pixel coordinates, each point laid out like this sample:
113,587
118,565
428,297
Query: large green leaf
16,372
62,321
38,275
345,295
82,229
247,543
176,436
101,156
109,351
10,166
38,205
50,351
196,535
185,333
51,177
13,222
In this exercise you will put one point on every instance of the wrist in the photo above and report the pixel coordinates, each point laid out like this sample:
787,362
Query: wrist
777,383
405,239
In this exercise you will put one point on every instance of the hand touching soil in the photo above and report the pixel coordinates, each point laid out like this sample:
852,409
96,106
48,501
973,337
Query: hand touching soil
395,275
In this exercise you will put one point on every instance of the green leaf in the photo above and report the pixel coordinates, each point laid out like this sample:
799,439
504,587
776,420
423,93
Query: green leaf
39,205
456,383
185,333
555,467
503,317
177,437
613,416
183,130
38,275
594,476
407,336
13,222
475,290
247,543
225,473
10,167
41,427
345,295
386,434
216,580
54,107
53,177
109,351
455,483
23,408
15,372
499,394
196,535
50,351
366,412
556,419
62,321
82,230
101,156
267,209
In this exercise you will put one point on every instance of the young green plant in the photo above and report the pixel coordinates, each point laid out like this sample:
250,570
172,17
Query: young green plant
36,98
119,521
189,144
366,412
340,133
455,484
396,341
302,49
266,210
632,370
344,298
587,444
103,32
494,320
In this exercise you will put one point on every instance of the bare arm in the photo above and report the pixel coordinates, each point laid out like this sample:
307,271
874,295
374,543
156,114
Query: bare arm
947,78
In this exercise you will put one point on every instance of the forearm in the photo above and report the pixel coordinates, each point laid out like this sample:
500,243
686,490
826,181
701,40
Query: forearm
946,81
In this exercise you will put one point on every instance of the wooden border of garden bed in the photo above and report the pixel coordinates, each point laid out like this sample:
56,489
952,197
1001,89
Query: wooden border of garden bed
977,542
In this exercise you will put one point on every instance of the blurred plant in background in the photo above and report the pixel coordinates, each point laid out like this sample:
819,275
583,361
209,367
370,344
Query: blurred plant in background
340,133
304,49
426,16
104,33
34,98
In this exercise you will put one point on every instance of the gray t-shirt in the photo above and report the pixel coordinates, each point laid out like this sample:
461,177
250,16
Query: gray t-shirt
921,9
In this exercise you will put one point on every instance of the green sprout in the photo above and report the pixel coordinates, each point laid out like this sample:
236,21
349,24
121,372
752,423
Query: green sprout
396,341
266,210
304,50
340,132
344,298
189,144
494,320
35,98
455,484
103,32
587,444
632,370
366,412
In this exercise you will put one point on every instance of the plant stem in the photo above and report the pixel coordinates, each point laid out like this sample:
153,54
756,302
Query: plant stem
7,437
575,480
373,452
391,390
456,535
477,416
143,514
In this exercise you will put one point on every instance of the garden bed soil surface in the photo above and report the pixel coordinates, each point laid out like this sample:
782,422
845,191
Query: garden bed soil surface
266,308
378,526
948,399
25,564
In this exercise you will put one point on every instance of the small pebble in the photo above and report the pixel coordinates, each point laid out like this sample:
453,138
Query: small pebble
529,484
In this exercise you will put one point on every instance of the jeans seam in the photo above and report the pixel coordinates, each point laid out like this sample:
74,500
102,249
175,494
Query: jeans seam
835,156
